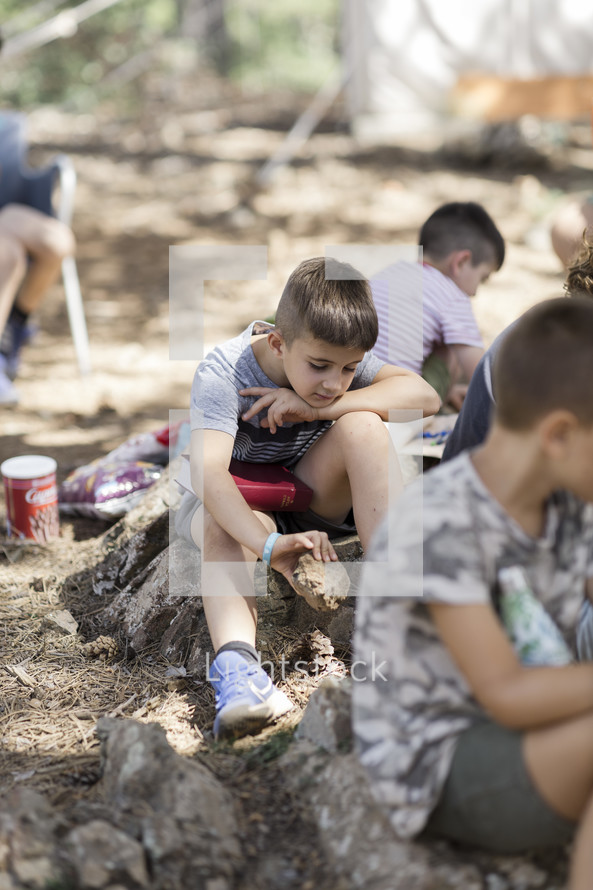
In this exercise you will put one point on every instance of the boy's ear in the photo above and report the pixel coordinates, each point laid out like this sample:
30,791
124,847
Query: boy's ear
276,343
557,431
457,260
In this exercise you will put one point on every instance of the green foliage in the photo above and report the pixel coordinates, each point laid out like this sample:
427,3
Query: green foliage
274,747
60,70
264,44
290,44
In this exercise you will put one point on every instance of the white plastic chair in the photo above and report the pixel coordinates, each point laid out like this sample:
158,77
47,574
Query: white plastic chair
35,188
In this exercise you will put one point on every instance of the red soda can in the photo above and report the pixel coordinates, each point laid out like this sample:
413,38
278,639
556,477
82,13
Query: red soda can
31,497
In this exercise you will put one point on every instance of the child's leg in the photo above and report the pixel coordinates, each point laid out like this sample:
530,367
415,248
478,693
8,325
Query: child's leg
349,466
246,698
46,240
232,613
13,267
560,762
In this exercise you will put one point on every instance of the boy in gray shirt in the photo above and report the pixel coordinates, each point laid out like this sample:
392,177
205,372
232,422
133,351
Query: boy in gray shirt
479,727
308,394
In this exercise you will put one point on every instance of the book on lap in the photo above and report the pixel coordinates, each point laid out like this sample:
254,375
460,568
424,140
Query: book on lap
270,486
267,487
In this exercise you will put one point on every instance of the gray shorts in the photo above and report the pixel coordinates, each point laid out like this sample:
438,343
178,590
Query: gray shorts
489,800
287,523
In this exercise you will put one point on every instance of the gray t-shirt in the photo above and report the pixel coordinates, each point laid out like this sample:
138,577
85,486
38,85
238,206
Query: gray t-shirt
448,540
217,405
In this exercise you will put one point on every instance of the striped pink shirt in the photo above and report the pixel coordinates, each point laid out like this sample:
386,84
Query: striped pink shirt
419,309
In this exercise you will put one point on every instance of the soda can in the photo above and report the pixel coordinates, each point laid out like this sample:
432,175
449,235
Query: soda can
31,497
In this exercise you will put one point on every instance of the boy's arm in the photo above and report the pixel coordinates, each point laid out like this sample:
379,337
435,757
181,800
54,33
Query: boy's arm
589,588
515,696
210,456
392,388
468,357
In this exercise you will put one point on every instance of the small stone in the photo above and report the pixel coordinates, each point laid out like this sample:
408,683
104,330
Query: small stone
61,620
496,882
99,852
324,585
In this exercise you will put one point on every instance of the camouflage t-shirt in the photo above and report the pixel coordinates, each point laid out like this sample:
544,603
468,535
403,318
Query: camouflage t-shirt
445,541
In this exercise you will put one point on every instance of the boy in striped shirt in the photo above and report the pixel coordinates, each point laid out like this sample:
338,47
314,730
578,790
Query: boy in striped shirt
426,322
306,393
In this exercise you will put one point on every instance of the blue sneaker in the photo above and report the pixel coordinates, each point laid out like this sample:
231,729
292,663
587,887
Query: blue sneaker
246,698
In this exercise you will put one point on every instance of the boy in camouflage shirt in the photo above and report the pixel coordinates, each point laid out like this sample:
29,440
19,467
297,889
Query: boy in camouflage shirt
460,738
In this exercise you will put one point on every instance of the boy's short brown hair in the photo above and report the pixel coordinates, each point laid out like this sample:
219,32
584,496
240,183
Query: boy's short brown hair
328,300
463,225
545,363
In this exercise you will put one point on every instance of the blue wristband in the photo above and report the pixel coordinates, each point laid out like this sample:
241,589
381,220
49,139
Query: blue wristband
269,546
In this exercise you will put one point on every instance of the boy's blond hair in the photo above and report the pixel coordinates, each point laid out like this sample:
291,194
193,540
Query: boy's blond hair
328,300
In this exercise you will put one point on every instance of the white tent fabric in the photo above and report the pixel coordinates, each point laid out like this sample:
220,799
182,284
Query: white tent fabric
405,56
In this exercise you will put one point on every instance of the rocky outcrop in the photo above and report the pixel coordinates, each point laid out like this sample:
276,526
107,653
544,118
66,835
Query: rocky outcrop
330,787
166,823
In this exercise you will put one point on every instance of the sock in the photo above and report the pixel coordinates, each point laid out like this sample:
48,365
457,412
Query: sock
9,338
244,649
18,316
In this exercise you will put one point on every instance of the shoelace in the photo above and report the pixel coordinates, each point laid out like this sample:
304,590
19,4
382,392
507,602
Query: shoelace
235,681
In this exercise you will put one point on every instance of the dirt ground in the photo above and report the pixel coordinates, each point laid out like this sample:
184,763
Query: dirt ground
179,170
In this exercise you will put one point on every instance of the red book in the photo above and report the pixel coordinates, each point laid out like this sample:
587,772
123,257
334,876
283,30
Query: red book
270,487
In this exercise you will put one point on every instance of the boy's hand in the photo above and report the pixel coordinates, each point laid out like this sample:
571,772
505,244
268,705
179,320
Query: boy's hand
456,395
282,404
288,548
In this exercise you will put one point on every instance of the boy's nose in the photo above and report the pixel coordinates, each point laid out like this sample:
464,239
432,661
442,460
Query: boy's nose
331,385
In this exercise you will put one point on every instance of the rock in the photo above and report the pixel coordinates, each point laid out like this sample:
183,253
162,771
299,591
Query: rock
341,626
61,620
331,789
148,611
130,558
326,721
182,815
26,840
324,585
99,854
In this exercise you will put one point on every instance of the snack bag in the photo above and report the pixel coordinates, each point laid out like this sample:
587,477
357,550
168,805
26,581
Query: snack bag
106,489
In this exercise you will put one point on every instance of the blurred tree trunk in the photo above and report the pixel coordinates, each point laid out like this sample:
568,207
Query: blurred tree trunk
204,21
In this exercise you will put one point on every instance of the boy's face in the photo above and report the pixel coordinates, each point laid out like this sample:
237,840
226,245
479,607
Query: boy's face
319,372
580,463
468,277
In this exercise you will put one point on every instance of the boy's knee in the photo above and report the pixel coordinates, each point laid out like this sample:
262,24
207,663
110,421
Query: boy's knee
365,426
58,241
